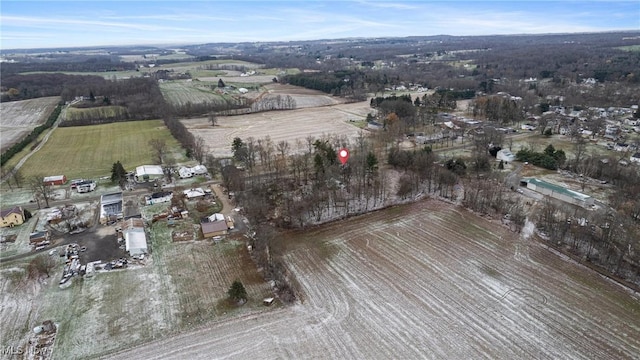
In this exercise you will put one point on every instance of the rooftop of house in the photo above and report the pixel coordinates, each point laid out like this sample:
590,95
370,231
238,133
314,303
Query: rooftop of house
213,226
13,210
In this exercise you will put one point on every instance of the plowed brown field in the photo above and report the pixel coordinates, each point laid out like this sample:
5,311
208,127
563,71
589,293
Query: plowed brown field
427,280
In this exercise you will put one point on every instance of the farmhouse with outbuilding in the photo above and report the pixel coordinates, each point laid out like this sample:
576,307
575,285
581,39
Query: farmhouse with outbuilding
12,217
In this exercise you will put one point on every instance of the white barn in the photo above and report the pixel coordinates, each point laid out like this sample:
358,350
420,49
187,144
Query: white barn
135,239
146,173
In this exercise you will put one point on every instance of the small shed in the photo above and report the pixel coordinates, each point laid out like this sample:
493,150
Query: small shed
54,180
39,237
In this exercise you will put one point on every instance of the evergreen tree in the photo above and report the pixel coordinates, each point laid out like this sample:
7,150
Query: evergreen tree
372,162
118,173
237,291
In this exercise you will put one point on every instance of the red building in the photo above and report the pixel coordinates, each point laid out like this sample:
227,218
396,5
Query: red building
55,180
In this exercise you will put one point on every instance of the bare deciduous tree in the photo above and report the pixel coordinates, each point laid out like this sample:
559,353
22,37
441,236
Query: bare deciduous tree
41,191
213,119
159,148
199,149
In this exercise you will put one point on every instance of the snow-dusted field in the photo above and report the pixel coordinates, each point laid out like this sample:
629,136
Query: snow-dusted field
288,125
427,280
18,118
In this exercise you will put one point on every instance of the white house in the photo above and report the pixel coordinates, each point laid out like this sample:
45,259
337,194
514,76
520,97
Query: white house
187,172
159,197
194,193
505,155
635,158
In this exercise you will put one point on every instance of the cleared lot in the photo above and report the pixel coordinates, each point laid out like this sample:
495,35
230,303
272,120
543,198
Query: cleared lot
427,280
289,125
18,118
181,286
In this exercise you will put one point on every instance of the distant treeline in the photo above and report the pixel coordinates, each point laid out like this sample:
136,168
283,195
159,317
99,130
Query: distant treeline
22,87
94,64
16,148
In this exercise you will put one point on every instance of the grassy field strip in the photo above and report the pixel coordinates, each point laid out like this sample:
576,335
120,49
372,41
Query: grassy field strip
182,92
90,151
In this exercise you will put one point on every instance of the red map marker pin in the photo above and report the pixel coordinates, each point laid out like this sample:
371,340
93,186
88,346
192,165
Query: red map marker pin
343,155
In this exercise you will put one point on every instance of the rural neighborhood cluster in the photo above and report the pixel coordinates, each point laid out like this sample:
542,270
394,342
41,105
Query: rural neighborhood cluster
422,197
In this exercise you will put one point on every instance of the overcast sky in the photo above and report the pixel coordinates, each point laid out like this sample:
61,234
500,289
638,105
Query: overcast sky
43,24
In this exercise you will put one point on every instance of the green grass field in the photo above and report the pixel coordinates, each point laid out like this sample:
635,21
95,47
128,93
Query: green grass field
181,92
90,151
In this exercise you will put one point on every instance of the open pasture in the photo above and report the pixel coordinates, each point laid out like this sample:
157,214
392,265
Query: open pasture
180,92
18,118
426,280
90,151
287,125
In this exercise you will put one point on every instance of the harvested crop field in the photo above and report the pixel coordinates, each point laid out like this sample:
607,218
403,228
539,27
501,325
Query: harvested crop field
427,280
304,98
288,125
18,118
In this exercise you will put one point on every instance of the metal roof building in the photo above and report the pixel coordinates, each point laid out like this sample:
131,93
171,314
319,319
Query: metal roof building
558,192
